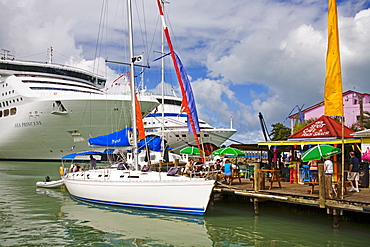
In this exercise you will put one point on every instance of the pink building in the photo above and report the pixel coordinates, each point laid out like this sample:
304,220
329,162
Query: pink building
354,103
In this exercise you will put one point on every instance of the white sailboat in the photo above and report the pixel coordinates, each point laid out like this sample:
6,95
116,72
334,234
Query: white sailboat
140,189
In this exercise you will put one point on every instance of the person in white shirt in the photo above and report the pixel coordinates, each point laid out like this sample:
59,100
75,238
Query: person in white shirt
328,166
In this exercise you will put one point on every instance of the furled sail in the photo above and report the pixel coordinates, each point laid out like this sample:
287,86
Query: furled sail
116,139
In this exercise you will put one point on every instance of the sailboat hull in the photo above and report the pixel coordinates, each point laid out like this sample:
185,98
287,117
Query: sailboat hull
151,191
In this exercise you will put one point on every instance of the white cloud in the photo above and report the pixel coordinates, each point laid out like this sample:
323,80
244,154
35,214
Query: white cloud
272,52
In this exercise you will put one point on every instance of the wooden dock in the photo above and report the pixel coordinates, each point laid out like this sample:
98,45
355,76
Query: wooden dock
299,194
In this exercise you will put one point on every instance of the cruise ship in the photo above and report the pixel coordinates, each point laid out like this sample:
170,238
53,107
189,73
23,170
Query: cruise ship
49,110
175,128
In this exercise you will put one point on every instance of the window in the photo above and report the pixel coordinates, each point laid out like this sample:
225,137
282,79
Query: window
13,111
6,112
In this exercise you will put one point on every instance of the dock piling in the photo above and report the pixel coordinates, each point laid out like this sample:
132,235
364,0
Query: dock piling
255,206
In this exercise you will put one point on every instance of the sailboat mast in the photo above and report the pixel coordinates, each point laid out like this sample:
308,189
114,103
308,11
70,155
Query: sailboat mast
162,70
132,83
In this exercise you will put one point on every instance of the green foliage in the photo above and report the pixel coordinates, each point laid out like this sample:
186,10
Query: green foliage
280,132
365,120
299,126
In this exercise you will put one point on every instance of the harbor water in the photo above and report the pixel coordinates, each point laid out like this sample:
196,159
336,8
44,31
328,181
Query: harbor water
32,216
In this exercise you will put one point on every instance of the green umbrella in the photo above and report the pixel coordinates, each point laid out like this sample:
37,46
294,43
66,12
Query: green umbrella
320,151
234,152
190,150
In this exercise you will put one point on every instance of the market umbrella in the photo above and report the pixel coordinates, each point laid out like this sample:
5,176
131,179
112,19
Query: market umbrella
320,151
190,150
234,152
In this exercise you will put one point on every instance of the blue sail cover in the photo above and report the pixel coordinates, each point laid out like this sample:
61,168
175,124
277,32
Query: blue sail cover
74,155
115,139
154,143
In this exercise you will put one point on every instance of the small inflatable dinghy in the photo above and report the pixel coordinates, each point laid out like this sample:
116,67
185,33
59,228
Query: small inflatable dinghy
50,184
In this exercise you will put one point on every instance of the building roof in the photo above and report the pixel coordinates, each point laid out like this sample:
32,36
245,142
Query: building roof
324,130
362,133
323,127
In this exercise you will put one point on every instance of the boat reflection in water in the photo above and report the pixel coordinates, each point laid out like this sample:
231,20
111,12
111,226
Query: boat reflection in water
138,226
224,224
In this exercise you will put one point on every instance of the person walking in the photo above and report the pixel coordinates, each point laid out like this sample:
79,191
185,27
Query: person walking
354,171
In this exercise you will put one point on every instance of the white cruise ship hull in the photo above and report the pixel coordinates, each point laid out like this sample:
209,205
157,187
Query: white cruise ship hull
175,129
44,116
144,190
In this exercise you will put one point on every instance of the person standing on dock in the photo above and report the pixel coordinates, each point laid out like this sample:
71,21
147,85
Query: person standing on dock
313,169
328,166
354,171
227,171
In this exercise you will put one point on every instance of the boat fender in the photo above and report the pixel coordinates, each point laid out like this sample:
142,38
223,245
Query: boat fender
61,171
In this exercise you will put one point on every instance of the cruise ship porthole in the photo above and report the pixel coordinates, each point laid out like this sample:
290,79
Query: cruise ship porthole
13,111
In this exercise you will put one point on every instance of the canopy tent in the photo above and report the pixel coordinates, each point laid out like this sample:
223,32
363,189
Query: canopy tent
154,143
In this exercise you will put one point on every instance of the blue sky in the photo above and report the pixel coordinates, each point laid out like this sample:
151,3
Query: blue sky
243,56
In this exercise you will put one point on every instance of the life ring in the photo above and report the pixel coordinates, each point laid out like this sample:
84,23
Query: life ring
55,93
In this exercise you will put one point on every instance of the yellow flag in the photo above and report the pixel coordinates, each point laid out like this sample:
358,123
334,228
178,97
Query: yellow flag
333,96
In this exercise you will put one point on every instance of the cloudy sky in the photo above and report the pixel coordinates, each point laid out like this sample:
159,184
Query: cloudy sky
243,56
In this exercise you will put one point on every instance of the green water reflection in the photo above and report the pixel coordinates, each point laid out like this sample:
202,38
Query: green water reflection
33,216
